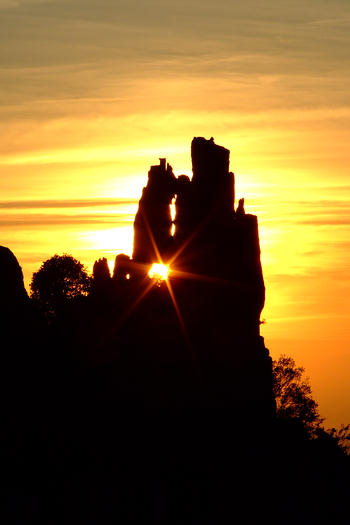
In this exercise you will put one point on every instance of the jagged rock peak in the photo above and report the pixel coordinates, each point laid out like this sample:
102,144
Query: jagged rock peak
208,158
101,270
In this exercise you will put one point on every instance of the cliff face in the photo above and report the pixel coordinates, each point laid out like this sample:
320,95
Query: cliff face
215,282
212,241
193,339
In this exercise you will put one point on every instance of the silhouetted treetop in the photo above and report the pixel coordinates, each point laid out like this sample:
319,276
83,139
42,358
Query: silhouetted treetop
293,394
58,280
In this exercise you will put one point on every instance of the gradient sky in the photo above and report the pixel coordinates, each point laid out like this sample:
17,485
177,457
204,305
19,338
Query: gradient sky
94,91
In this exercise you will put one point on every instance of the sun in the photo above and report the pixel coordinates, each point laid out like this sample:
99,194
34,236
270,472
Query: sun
159,271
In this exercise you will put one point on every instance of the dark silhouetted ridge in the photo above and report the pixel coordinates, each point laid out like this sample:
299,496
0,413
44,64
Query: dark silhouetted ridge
149,400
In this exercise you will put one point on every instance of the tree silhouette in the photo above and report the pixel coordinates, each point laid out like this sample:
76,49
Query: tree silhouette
337,438
59,279
294,402
293,394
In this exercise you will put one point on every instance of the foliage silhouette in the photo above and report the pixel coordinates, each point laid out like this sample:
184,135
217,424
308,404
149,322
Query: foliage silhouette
294,403
341,436
59,279
293,394
335,439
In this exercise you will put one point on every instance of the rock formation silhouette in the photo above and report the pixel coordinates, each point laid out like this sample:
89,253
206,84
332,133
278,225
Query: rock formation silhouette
178,368
151,400
215,276
153,219
101,277
13,295
211,239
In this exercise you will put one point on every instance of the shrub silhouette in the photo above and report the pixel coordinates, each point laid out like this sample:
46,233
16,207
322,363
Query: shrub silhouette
59,279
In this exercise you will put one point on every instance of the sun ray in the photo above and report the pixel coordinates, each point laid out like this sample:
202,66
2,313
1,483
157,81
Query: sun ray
180,274
182,325
154,244
132,307
171,292
113,330
189,239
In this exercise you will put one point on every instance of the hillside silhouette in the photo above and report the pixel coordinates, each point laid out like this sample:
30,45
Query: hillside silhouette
146,399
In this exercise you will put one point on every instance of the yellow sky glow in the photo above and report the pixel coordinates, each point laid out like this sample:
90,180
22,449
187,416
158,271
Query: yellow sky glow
93,93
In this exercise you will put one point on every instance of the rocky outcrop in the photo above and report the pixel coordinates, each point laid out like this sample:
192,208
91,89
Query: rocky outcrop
192,340
22,342
13,295
101,277
211,239
152,226
121,267
203,322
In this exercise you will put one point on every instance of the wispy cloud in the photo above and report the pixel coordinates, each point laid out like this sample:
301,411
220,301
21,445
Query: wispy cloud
326,221
45,220
60,203
11,4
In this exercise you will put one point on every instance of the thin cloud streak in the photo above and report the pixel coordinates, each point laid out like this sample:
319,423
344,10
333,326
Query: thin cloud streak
13,4
344,221
53,220
60,203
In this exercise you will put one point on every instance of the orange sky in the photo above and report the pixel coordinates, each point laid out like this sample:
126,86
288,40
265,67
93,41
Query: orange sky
94,91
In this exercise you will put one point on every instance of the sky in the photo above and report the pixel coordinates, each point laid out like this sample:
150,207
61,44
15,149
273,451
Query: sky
93,92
